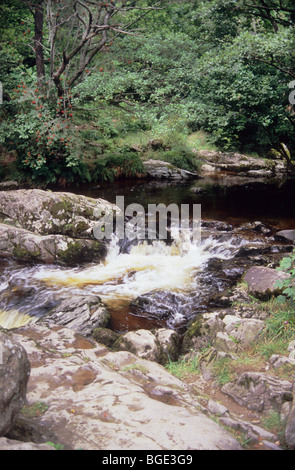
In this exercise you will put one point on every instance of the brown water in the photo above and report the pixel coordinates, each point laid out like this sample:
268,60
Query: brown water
144,268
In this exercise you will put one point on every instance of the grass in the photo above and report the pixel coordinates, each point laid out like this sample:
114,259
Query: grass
183,367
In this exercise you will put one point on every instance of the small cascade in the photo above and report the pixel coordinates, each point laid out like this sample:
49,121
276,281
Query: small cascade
146,268
14,319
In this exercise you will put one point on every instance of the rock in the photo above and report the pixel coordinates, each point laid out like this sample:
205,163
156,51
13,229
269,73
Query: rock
277,360
286,235
80,313
102,400
258,391
47,212
142,343
44,226
170,343
239,164
163,306
8,185
252,433
290,428
14,376
11,444
164,170
248,331
24,245
224,343
105,336
216,408
262,281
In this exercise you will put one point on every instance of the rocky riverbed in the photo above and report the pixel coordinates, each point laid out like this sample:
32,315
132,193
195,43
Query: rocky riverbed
81,385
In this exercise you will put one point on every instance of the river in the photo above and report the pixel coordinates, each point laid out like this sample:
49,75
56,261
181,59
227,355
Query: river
172,278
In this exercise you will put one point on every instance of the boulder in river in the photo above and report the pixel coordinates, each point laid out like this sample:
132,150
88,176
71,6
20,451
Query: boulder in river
46,226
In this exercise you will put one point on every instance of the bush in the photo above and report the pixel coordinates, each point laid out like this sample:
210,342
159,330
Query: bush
117,165
182,157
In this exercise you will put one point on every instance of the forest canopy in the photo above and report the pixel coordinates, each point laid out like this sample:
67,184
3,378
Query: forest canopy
78,74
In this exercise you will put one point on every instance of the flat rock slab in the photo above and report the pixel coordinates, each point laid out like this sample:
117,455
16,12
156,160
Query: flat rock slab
101,400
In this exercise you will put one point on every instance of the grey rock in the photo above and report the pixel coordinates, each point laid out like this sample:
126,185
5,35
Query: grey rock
80,313
262,281
14,376
290,427
258,391
102,400
163,170
12,444
286,235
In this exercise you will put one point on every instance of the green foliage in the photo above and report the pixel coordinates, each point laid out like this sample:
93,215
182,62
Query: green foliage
182,157
44,138
287,265
117,165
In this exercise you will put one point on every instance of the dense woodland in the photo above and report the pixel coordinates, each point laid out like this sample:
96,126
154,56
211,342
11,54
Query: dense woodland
87,83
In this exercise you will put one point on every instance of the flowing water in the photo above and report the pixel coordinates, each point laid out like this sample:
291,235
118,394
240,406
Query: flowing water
176,270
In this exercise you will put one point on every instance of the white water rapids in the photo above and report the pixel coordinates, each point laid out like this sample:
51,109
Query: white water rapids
146,268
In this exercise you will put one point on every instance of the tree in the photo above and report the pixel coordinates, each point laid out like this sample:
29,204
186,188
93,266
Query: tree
77,30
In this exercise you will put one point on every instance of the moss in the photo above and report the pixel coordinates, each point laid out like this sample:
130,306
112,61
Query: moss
60,208
194,328
80,251
20,252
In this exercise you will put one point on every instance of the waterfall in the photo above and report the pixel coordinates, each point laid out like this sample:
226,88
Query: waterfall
123,276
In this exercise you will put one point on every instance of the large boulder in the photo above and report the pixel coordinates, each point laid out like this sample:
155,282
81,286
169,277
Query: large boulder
47,212
46,226
24,245
261,281
14,376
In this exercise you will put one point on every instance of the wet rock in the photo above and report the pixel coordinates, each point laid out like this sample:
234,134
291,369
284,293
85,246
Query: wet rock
105,336
262,281
14,376
259,391
24,245
165,306
81,313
